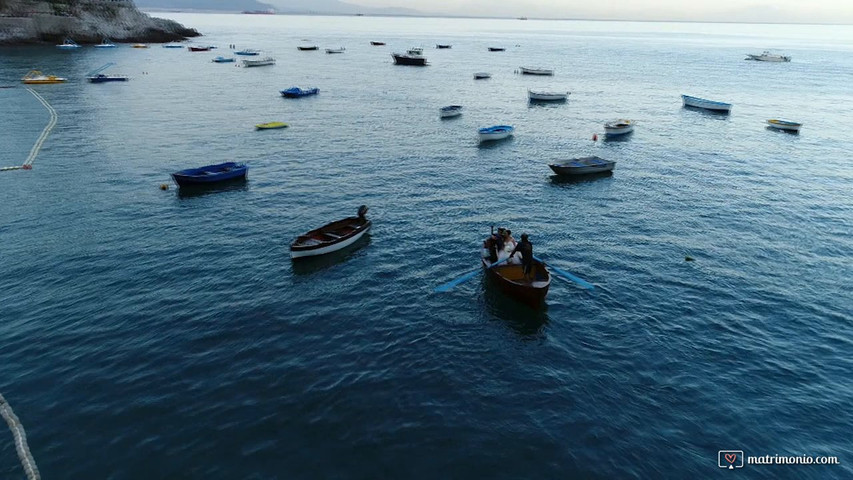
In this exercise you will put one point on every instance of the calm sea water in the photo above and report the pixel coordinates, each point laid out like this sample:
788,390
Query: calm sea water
153,334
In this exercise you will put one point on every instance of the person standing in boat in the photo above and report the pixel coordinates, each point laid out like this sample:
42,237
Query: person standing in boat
525,248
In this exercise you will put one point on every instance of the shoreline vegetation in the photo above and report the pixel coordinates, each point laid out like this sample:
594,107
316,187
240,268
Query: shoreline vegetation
35,22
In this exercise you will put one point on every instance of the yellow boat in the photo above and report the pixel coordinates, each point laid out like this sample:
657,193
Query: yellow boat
139,45
38,78
270,125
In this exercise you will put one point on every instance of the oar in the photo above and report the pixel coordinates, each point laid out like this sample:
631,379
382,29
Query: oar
447,286
583,283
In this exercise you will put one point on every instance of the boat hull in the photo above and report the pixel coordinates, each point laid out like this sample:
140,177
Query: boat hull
450,113
491,134
583,166
536,71
704,104
547,96
219,173
410,60
323,241
107,79
307,49
482,76
616,129
509,279
783,125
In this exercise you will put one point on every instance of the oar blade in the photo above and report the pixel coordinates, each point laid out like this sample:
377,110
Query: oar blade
447,286
569,276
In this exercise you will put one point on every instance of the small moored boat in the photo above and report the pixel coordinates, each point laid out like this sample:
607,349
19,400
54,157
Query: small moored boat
450,111
68,44
766,56
105,43
377,44
697,102
248,52
415,51
530,290
270,126
336,50
259,62
210,174
296,92
443,45
540,96
139,45
412,60
306,48
204,48
583,166
784,125
103,78
223,60
496,49
34,77
331,237
535,71
173,45
618,127
482,75
497,132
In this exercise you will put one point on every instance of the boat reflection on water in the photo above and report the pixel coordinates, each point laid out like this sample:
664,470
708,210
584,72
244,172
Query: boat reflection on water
523,319
310,265
573,179
192,191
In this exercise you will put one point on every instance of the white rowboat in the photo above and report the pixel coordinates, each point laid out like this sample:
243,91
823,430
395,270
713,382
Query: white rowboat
547,96
618,127
697,102
450,111
498,132
258,63
535,71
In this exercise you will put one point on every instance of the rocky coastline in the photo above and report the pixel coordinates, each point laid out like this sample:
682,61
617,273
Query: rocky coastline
31,22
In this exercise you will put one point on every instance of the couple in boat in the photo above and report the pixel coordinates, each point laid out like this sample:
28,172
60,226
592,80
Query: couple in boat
502,245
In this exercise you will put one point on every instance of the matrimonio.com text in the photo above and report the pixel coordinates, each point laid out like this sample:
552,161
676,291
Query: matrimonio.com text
733,459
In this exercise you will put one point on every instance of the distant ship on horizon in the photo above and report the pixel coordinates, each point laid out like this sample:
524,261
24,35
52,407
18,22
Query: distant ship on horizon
259,12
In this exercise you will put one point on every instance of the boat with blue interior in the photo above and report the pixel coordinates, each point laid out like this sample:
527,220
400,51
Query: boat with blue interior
210,174
714,106
296,92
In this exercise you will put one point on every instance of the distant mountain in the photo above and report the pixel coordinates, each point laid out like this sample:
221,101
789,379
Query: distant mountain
219,5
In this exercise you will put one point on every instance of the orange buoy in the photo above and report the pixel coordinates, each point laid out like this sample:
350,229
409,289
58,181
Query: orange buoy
594,137
164,186
27,167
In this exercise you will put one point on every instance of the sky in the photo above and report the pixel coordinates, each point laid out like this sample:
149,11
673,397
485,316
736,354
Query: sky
775,11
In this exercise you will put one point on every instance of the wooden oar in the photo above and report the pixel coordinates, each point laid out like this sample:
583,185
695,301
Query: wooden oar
447,286
583,283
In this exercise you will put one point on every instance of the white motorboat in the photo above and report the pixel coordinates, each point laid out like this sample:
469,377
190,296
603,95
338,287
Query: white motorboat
535,71
547,96
618,127
259,62
766,56
450,111
497,132
784,125
68,44
697,102
105,43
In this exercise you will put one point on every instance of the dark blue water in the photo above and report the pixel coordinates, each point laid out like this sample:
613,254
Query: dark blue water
157,334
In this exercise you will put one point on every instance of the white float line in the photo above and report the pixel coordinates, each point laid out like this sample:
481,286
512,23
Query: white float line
24,454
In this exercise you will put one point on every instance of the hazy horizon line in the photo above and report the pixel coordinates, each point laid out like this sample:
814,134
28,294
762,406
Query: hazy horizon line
476,17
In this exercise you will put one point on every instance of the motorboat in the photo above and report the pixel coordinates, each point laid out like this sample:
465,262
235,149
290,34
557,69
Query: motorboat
497,132
259,62
705,104
332,236
542,96
784,125
34,77
766,56
296,92
450,111
618,127
105,43
583,166
413,60
68,44
535,71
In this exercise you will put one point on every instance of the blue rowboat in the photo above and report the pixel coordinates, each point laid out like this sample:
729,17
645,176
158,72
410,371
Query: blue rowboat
697,102
210,174
497,132
223,59
247,51
296,92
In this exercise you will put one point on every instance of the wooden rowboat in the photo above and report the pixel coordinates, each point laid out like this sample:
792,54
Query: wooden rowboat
331,237
510,279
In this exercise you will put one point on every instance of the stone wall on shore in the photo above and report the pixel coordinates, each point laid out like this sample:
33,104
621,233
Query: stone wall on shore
86,21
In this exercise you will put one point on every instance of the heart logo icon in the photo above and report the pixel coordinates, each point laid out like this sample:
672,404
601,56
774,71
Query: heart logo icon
731,457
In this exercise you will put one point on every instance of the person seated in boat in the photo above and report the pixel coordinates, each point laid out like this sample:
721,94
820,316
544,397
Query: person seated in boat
490,249
509,246
525,248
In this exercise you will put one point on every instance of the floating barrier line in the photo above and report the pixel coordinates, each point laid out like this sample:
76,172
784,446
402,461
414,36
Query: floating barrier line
24,454
44,133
